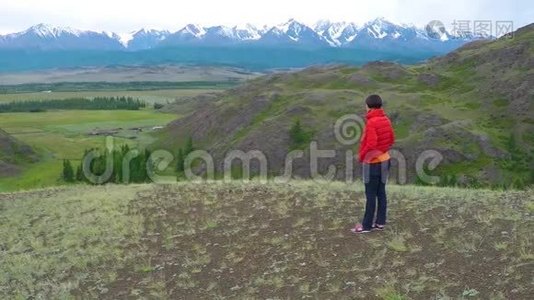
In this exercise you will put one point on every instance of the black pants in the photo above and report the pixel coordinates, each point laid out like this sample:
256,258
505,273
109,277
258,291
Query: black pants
375,176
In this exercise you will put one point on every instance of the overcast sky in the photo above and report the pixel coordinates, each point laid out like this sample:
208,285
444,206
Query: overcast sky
125,16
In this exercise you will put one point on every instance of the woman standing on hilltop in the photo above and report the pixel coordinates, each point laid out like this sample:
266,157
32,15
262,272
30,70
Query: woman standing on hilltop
377,139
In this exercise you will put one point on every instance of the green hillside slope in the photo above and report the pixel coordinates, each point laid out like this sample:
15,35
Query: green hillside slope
13,153
475,106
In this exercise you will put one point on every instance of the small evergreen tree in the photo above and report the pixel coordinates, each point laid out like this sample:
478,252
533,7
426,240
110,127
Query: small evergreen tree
188,146
299,137
143,169
117,166
79,173
180,161
68,171
453,181
517,162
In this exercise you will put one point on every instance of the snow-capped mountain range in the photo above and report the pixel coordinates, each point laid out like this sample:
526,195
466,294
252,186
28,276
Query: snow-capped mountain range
377,33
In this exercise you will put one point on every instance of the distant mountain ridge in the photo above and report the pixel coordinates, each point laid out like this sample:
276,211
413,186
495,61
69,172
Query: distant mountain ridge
46,37
378,33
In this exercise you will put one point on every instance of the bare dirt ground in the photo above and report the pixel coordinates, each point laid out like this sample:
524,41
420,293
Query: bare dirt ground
281,241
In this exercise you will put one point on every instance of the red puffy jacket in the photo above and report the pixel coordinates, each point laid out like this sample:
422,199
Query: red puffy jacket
377,138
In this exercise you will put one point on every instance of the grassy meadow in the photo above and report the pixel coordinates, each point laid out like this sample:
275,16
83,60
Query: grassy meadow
263,240
64,134
58,135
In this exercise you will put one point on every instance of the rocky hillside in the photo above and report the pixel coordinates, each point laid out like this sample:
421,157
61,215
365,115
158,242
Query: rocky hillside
12,154
475,106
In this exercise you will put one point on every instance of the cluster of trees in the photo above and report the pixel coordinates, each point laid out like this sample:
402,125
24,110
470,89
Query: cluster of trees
138,165
136,173
518,163
518,160
136,162
98,103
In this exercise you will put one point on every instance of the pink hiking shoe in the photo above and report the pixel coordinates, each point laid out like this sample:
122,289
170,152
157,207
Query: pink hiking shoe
359,229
